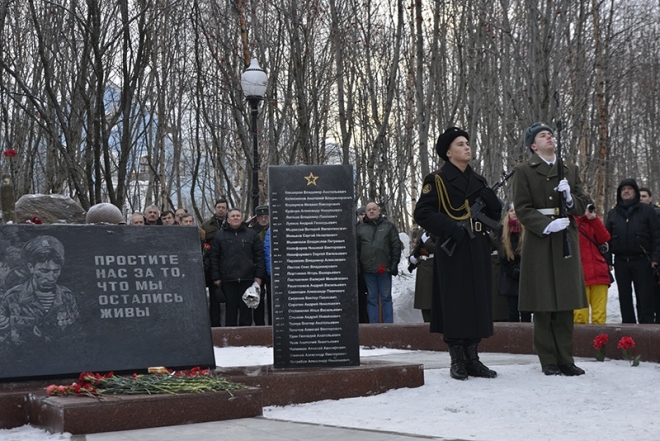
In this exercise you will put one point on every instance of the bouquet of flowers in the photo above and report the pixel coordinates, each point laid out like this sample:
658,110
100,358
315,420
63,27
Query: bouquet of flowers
157,381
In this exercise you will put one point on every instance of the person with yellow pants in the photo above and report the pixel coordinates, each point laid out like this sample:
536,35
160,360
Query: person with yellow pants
593,237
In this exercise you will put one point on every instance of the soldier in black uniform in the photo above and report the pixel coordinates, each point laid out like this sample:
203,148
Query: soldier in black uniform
462,308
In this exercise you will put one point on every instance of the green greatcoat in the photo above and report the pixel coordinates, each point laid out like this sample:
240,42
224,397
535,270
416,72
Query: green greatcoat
548,281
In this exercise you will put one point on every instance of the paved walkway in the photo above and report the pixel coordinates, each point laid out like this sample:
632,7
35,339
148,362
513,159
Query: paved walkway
264,429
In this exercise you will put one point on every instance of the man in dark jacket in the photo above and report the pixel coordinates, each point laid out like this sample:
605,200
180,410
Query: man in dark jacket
237,261
379,252
461,303
635,244
210,226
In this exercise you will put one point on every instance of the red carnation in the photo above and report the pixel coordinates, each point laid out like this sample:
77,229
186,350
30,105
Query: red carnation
381,269
51,390
626,343
600,344
600,341
9,153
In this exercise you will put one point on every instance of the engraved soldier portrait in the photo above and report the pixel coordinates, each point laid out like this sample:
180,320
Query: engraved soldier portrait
38,309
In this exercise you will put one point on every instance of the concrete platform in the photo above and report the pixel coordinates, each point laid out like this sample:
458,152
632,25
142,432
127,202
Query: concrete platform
23,403
282,387
83,415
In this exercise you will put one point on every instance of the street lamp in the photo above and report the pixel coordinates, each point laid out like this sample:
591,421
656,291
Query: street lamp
254,82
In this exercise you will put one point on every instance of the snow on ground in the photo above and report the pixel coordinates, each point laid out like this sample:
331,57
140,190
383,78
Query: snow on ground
611,401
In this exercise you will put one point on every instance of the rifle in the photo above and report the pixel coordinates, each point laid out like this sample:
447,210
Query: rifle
416,254
656,270
417,251
476,214
563,211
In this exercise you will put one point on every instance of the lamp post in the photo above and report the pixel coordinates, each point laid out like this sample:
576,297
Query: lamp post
254,82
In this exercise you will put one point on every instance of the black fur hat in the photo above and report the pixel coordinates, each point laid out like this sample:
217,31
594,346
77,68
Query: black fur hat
445,140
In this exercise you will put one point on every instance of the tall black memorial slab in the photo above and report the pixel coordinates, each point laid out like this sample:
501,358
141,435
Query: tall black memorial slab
314,266
77,298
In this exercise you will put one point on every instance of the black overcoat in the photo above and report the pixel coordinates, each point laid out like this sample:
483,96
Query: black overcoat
462,300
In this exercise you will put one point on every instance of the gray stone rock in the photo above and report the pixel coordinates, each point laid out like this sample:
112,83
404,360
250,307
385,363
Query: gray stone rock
50,208
104,213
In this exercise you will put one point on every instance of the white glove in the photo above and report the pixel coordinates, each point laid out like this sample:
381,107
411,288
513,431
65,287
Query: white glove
557,225
563,186
251,296
413,260
425,237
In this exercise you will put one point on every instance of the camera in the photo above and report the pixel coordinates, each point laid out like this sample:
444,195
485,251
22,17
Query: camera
591,208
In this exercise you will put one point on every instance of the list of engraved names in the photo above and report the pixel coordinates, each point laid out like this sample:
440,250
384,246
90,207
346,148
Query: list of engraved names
312,268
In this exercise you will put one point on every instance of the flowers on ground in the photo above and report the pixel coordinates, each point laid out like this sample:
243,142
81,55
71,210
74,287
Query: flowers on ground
600,344
625,344
195,380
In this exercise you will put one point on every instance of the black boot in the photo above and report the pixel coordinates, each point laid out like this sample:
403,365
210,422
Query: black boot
457,370
474,367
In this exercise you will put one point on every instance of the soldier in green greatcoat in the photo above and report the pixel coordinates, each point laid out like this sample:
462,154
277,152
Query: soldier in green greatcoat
551,286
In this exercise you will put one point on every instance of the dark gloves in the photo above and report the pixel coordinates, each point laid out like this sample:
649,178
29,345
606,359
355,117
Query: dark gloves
458,233
394,269
491,200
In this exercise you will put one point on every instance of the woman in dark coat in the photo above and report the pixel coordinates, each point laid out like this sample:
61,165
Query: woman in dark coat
462,305
509,245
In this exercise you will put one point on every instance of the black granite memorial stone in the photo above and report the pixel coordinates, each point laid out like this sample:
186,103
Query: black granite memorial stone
98,298
314,266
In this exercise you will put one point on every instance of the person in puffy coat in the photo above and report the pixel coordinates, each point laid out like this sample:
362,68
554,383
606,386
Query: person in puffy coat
593,234
237,261
635,244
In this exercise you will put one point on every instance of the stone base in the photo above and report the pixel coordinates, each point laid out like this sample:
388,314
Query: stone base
82,415
282,387
22,403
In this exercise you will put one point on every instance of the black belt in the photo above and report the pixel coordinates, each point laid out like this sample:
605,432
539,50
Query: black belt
628,257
